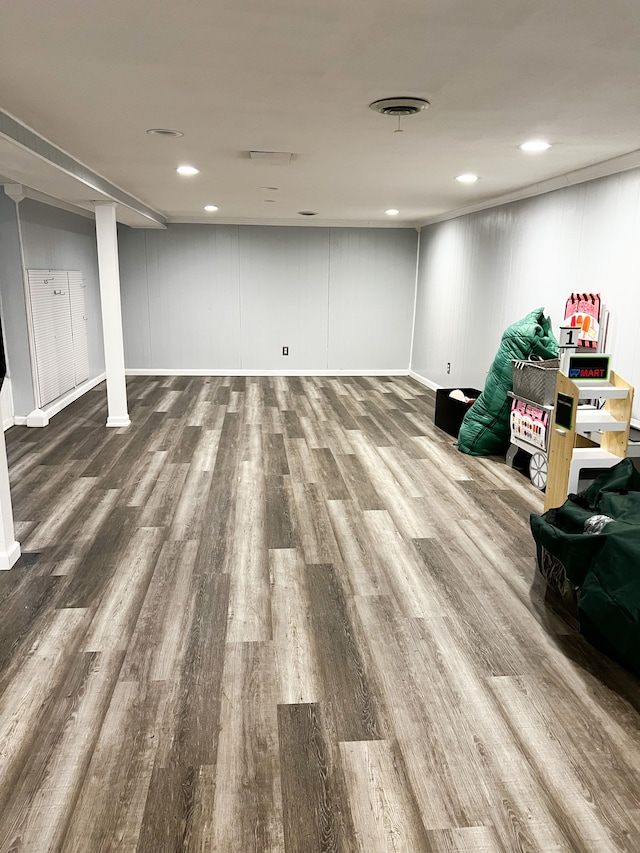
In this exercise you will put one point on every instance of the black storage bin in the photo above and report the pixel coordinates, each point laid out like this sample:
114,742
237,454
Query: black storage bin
449,411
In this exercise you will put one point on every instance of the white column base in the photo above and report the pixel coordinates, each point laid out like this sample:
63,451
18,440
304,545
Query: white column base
118,421
10,557
37,418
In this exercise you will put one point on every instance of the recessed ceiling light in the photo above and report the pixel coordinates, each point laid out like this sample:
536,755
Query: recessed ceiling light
164,131
307,213
187,170
534,146
271,189
392,211
467,178
269,200
210,208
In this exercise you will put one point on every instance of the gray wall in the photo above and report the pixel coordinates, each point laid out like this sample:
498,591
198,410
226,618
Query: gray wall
55,239
372,279
13,309
201,297
284,294
481,272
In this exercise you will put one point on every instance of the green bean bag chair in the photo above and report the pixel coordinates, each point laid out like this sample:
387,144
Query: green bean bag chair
592,544
485,427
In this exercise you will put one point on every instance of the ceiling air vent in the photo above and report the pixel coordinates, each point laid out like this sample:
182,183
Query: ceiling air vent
399,106
271,158
164,131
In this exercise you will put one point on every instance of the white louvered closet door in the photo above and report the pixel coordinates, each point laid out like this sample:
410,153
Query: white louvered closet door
79,325
52,331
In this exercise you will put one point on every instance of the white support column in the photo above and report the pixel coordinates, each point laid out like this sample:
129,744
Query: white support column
9,548
36,418
107,239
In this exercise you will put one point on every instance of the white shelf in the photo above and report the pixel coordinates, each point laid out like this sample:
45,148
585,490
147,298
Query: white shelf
585,455
591,420
603,390
588,457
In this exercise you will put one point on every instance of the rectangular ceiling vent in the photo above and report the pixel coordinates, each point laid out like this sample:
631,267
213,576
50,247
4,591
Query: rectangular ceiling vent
272,158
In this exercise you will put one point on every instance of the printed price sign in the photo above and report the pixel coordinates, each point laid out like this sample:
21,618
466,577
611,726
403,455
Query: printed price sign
529,423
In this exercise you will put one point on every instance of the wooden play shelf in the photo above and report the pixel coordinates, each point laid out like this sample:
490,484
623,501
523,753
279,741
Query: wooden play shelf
613,421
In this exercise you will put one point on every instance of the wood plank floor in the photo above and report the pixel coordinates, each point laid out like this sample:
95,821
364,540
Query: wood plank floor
285,615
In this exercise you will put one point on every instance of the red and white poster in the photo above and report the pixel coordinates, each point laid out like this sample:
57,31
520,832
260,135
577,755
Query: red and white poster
583,311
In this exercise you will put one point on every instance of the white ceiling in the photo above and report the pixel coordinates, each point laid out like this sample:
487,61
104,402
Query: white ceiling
298,75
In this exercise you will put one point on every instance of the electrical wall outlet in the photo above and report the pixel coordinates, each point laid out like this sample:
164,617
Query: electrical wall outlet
448,367
285,350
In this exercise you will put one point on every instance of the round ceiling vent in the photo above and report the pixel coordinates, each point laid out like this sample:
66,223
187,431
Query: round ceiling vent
164,131
399,106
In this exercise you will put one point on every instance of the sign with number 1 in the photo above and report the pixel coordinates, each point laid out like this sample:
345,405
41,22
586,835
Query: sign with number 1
568,337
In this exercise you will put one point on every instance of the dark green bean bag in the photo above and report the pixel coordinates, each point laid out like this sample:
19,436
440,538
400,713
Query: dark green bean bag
485,427
592,542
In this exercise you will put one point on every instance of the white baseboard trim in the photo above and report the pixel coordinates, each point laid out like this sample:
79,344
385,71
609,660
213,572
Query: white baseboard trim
7,422
234,371
9,557
424,381
34,418
62,402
